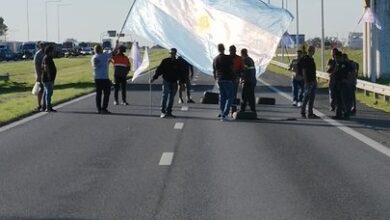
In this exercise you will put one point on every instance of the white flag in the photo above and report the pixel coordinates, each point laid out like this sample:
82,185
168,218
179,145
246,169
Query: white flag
135,57
143,67
370,17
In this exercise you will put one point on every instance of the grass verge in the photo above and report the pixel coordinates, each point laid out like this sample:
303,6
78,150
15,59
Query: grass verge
74,79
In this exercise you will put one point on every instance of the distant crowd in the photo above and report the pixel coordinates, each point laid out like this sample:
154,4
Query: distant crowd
342,83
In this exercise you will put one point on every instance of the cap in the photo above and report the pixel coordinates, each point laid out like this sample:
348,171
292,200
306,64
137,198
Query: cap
173,50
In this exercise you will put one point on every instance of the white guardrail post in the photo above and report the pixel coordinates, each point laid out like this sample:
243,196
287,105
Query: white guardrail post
367,87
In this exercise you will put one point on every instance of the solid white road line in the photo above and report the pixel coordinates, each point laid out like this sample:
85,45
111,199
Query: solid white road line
166,159
370,142
184,108
38,115
179,125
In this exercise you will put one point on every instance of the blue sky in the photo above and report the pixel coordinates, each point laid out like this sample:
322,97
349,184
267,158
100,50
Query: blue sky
87,20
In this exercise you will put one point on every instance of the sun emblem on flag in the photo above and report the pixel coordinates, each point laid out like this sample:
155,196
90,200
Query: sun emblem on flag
203,24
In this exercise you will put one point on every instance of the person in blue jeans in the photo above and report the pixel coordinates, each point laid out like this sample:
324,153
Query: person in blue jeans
223,74
308,68
170,69
49,73
297,80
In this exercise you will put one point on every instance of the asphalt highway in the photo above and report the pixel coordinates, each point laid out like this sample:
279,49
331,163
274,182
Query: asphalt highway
131,164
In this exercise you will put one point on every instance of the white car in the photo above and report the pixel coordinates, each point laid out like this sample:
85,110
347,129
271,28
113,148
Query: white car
86,51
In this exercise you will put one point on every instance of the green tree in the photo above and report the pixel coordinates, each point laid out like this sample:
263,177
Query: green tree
3,27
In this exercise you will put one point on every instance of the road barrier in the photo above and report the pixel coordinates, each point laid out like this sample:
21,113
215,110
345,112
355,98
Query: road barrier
365,86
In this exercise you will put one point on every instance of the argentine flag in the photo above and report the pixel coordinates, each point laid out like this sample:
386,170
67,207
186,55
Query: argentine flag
196,27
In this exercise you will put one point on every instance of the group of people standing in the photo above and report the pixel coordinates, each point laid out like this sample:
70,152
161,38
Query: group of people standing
45,75
229,71
342,83
100,64
343,74
176,73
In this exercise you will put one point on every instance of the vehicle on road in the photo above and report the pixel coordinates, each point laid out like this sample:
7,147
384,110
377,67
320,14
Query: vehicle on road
8,55
28,49
86,51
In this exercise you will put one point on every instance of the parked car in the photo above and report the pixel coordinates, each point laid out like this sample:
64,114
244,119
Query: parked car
86,51
8,55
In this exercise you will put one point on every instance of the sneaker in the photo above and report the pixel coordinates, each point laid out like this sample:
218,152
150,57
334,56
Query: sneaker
332,109
294,103
170,115
163,115
219,115
125,103
190,101
313,116
337,117
181,101
299,104
50,110
38,109
116,103
226,118
105,111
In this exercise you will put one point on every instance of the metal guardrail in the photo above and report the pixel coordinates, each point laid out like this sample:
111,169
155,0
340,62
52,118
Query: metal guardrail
367,87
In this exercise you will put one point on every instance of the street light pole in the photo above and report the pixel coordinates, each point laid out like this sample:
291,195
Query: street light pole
297,23
58,19
47,32
322,37
28,22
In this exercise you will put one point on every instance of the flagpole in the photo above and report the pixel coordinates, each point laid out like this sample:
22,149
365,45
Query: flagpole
127,17
150,93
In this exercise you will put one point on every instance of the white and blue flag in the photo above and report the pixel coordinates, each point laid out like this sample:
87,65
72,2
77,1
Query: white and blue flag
196,27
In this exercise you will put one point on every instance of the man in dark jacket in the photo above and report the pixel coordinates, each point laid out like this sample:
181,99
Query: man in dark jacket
223,73
49,73
342,89
170,70
308,68
248,79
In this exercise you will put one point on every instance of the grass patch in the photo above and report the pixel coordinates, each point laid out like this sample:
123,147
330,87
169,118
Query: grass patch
74,79
371,101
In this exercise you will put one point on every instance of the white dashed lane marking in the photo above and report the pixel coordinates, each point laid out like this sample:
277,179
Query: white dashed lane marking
179,125
166,159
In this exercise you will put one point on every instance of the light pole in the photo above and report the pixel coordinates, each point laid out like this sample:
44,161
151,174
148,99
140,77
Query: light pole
46,2
322,37
297,23
28,21
58,19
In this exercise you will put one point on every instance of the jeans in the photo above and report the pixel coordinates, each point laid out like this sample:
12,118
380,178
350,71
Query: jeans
185,85
235,91
248,96
103,86
225,96
169,90
120,81
343,99
48,93
332,93
308,97
297,89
